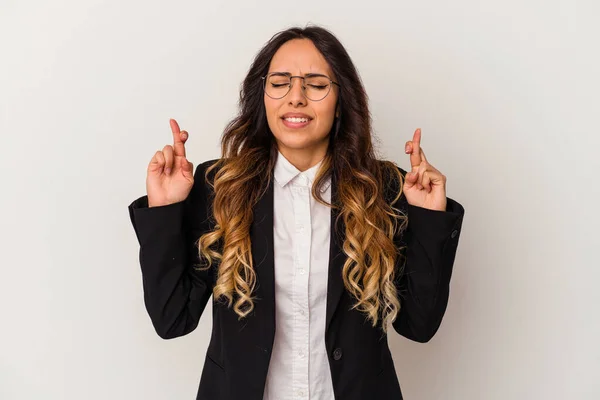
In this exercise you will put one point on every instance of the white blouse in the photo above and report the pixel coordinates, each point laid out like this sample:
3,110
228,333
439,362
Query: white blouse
299,367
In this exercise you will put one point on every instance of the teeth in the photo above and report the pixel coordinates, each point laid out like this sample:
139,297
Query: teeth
297,119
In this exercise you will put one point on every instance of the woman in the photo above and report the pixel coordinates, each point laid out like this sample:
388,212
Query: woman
310,246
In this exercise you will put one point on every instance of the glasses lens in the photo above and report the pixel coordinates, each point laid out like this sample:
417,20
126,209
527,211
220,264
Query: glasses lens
316,87
277,85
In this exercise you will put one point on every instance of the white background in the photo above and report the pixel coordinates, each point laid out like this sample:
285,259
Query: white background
506,93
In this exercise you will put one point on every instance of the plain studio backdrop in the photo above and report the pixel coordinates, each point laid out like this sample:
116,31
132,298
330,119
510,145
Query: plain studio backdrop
506,94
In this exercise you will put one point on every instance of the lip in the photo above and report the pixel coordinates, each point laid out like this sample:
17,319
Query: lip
295,125
295,115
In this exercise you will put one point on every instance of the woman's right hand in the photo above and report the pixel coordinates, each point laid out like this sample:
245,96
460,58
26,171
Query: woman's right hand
170,175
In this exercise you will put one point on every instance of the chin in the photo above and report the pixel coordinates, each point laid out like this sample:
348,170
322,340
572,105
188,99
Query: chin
297,142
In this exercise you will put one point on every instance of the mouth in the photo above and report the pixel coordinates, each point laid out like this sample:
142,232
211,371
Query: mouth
296,121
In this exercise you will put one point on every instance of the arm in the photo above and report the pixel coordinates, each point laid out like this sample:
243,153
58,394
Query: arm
431,241
175,294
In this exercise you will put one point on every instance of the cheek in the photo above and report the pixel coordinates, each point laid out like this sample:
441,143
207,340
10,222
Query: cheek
327,112
271,110
268,105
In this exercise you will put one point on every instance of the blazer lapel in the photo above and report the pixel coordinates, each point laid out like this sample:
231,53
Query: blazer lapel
261,234
335,284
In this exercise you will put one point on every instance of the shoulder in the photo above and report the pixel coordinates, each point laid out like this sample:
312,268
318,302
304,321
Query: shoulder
392,174
206,164
202,188
392,181
202,168
388,167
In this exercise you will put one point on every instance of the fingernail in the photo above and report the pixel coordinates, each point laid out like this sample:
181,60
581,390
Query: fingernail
168,171
406,149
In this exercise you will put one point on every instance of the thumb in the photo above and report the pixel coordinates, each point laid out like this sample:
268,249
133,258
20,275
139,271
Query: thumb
410,179
187,168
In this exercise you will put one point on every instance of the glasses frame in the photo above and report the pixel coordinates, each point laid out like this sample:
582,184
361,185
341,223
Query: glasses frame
264,85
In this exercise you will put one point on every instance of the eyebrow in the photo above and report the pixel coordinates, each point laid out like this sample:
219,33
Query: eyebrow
311,74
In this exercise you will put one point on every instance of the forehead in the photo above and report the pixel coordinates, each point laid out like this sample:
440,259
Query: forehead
299,56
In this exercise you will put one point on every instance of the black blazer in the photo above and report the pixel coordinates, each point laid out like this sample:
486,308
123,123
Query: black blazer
238,355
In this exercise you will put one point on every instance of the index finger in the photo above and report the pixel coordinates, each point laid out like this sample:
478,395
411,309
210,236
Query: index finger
415,155
178,145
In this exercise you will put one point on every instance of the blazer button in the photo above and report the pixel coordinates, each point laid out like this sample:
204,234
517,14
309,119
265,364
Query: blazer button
454,233
337,354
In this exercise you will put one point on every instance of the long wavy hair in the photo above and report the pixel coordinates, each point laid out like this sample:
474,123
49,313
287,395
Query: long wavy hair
244,171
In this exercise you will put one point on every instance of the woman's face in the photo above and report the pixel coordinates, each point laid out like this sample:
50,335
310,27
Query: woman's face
307,136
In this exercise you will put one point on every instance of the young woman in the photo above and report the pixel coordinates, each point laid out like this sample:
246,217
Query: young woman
310,245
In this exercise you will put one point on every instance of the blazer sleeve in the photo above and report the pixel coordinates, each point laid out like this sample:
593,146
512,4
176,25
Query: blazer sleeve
175,292
430,242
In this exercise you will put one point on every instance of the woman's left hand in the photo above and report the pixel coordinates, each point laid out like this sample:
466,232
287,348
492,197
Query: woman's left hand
424,186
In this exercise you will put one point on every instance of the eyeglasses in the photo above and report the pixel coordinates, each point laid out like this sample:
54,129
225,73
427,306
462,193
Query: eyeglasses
314,86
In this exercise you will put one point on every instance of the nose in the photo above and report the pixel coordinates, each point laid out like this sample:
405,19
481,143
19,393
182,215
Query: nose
296,94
